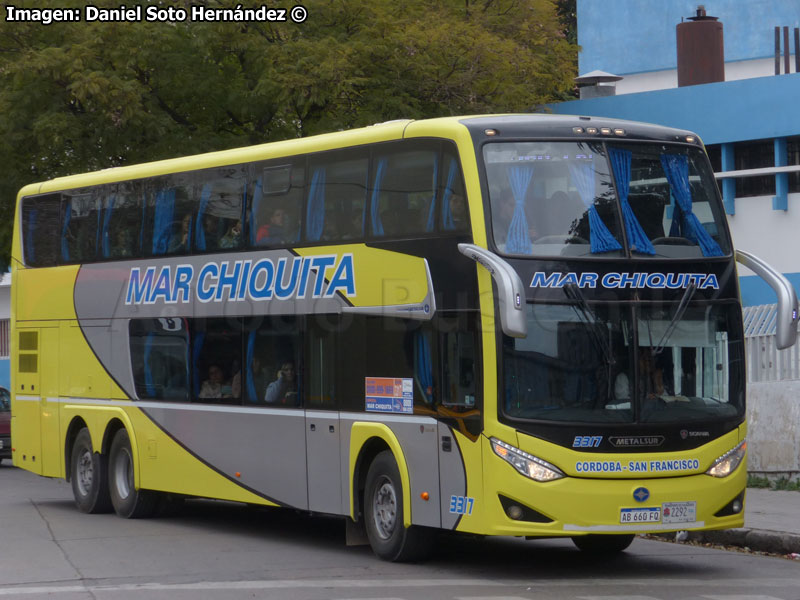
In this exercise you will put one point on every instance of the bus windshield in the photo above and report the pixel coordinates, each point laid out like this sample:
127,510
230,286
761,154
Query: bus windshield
591,364
592,198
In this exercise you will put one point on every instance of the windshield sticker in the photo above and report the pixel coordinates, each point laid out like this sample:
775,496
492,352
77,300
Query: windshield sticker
389,394
229,281
637,466
612,281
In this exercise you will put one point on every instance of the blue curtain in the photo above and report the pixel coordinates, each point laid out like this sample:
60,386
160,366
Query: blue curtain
199,227
430,225
518,240
162,222
424,365
621,165
197,349
380,170
252,394
64,231
601,239
315,213
258,194
447,216
676,167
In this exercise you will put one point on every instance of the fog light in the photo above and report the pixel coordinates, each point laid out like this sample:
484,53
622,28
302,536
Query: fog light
736,507
514,512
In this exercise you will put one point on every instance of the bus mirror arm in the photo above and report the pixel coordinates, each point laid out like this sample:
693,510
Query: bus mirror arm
511,293
786,328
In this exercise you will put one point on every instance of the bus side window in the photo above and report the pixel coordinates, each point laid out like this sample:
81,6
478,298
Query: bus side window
217,360
219,224
169,215
455,213
160,358
273,353
41,216
80,226
321,363
121,220
403,189
336,196
276,200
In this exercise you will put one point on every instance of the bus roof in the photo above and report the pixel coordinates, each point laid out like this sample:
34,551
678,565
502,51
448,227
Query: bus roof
506,125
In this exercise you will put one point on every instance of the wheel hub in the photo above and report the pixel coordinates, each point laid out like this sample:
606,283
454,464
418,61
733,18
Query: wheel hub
385,509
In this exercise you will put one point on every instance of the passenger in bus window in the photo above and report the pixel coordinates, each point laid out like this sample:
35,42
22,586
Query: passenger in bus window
458,212
233,237
274,231
123,244
284,389
215,386
180,240
259,377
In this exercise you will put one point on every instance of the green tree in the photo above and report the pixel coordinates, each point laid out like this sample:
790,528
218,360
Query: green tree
81,96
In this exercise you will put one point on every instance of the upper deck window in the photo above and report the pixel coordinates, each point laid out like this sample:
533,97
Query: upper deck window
589,199
552,198
672,195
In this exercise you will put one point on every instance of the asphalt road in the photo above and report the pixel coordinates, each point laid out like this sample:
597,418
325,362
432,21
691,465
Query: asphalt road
225,551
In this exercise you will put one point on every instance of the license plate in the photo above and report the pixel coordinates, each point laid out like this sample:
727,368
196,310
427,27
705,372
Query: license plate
640,515
679,512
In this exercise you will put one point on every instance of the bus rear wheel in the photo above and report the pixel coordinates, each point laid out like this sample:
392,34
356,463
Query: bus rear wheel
89,476
128,502
384,512
603,544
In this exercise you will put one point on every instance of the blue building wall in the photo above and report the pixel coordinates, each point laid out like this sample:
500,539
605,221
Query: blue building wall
608,30
729,111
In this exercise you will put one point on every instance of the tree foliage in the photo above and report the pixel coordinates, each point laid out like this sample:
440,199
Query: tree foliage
82,96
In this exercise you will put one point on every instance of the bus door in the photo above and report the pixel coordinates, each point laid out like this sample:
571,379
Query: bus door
322,422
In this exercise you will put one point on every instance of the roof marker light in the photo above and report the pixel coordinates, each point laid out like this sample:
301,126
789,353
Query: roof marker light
490,132
577,130
591,130
690,138
619,132
605,130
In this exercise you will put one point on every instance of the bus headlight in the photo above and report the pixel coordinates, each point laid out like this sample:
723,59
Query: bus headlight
727,463
527,464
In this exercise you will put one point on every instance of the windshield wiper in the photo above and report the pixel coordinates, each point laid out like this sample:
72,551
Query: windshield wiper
587,315
684,303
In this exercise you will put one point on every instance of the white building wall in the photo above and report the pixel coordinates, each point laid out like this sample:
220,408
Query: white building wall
660,80
772,235
5,296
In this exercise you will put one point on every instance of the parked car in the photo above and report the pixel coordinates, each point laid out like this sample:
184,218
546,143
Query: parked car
5,424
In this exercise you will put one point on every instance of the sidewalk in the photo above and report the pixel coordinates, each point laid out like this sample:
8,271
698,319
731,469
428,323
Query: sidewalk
771,524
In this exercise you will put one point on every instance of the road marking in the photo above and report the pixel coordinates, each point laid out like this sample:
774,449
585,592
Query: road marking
289,584
245,585
617,597
740,597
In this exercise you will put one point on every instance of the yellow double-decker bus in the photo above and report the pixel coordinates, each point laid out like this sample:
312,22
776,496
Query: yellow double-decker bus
520,325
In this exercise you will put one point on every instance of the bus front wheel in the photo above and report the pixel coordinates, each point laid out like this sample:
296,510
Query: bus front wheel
384,511
605,544
89,477
128,502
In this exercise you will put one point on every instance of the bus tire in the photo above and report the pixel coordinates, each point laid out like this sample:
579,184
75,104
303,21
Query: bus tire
383,515
128,502
89,476
603,544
